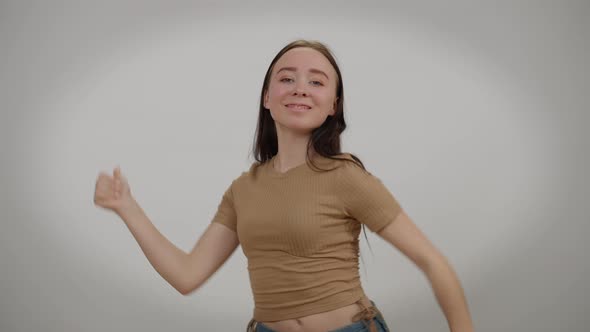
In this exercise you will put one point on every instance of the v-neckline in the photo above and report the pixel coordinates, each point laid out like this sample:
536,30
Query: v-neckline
274,173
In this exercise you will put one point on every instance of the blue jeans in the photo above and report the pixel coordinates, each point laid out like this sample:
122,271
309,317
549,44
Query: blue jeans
360,326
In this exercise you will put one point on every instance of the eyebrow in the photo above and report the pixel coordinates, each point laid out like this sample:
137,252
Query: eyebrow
311,70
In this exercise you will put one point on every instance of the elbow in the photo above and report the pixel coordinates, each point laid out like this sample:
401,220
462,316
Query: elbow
185,284
432,263
186,288
183,291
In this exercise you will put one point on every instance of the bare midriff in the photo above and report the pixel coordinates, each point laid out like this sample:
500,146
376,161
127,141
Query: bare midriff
320,322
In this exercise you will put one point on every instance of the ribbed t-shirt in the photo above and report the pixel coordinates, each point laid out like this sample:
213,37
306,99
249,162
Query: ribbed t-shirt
299,231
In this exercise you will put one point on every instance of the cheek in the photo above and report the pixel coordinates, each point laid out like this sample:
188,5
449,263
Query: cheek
275,96
325,100
278,91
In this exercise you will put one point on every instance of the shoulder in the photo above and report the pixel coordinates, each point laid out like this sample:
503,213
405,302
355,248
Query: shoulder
353,175
348,165
344,169
249,174
336,160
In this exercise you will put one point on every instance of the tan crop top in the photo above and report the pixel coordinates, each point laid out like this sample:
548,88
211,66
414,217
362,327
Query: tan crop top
300,230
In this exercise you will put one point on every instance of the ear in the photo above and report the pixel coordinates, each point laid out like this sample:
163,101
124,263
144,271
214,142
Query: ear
334,107
265,103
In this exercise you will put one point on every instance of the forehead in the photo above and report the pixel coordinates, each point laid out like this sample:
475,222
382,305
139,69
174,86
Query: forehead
304,58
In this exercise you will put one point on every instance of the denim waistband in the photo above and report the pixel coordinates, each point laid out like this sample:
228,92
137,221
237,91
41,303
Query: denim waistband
362,318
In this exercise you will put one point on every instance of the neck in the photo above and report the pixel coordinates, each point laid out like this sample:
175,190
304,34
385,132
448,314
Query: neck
292,150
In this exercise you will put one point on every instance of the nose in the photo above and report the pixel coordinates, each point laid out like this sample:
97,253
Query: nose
300,90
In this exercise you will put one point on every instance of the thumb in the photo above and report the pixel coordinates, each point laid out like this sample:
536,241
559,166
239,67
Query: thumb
117,172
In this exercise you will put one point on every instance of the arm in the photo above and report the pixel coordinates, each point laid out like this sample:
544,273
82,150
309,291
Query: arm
403,234
185,272
215,246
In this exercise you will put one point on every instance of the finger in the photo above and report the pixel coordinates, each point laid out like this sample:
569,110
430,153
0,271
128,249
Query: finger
117,172
117,187
101,176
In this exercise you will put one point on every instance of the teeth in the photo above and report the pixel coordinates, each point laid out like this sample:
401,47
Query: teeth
298,106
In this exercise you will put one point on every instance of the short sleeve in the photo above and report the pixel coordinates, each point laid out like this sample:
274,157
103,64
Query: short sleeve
366,198
226,213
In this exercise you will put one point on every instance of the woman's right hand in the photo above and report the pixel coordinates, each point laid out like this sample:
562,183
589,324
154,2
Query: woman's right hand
112,192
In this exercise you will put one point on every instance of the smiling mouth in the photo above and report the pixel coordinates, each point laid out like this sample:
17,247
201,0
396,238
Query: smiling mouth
298,107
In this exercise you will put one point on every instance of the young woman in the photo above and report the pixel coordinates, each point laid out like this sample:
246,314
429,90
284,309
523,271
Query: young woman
297,213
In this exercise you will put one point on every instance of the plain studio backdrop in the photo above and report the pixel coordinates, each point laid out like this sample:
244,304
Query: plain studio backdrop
472,113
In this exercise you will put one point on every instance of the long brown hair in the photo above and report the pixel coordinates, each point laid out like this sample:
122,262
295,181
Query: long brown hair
325,139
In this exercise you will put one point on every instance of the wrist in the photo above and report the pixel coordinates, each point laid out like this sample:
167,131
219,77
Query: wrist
129,207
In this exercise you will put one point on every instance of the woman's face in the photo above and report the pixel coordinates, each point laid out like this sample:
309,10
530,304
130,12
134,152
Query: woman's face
302,90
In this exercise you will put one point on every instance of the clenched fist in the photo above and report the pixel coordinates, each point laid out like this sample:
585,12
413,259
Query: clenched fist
112,192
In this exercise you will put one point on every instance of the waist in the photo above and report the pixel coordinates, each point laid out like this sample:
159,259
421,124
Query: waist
320,322
295,305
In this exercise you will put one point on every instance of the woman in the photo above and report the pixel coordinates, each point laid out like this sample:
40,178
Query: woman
297,213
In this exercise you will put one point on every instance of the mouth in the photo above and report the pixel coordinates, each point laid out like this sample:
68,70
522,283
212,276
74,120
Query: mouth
298,107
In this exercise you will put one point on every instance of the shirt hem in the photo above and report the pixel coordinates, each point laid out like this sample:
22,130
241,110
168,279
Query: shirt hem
355,297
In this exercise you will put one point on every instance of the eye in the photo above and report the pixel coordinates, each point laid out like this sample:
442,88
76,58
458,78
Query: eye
286,78
318,83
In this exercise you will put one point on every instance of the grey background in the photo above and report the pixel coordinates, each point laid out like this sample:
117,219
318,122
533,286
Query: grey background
473,114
